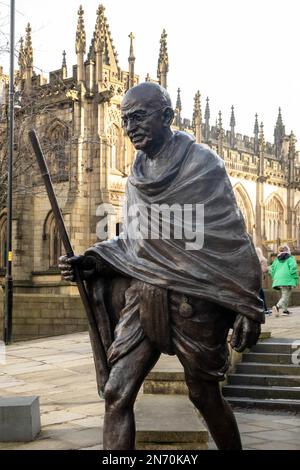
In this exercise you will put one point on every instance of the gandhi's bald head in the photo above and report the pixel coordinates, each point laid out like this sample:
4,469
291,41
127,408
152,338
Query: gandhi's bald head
151,95
147,116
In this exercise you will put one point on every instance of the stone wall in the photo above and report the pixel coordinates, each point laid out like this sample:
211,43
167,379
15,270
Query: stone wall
41,315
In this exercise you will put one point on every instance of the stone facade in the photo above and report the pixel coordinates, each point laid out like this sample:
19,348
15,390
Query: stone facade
77,118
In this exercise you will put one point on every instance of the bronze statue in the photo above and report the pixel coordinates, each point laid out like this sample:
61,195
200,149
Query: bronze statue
155,293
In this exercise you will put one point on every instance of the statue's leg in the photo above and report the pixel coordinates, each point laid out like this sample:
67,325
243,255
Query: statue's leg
207,397
200,342
125,380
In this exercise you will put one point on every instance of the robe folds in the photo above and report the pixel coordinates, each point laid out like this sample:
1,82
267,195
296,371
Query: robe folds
224,267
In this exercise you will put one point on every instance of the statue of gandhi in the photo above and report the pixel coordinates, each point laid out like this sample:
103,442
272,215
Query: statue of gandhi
166,294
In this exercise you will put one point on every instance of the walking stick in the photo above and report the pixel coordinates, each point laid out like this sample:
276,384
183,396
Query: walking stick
100,359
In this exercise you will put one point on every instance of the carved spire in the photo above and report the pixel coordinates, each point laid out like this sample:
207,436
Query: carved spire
80,45
147,78
262,145
21,59
256,128
102,50
232,117
292,156
163,61
279,122
28,59
206,124
262,142
21,52
256,135
197,117
292,145
178,108
131,61
131,51
99,34
220,124
80,33
96,53
232,126
220,135
64,61
178,101
64,65
207,110
28,50
279,134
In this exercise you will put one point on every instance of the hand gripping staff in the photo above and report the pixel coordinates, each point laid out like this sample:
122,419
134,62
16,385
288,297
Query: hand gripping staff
100,359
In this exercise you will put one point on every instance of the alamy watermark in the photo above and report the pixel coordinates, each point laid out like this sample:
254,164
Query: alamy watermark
155,222
296,353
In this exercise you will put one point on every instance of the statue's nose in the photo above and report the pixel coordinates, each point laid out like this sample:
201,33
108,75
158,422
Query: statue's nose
131,125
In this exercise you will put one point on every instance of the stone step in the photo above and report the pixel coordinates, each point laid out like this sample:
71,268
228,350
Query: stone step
250,391
170,387
264,380
267,404
272,358
265,335
275,345
167,377
165,422
267,369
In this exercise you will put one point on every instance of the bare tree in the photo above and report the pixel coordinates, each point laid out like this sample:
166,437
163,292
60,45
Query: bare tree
56,137
4,36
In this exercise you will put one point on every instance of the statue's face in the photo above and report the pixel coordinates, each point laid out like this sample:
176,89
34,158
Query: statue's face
143,121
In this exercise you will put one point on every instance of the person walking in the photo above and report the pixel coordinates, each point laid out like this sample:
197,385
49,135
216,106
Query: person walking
264,270
285,276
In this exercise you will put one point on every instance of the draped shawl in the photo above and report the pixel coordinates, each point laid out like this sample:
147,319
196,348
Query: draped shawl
225,269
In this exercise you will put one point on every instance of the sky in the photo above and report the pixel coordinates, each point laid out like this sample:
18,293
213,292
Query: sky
237,52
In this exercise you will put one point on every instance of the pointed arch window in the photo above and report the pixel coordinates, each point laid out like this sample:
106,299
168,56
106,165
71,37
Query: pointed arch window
114,136
3,241
113,163
245,206
54,244
274,220
56,140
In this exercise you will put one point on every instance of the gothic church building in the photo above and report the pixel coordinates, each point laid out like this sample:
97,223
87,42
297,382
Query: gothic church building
77,116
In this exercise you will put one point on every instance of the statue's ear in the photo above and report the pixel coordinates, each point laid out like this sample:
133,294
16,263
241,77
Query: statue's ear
168,116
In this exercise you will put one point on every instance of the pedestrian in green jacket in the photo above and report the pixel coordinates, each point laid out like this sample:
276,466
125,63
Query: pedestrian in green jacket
285,276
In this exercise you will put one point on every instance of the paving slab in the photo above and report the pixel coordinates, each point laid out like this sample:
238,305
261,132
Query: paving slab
61,416
43,444
90,421
284,326
270,445
89,409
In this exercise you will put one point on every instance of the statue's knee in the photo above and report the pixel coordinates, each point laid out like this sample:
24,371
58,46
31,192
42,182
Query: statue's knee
114,397
203,394
197,398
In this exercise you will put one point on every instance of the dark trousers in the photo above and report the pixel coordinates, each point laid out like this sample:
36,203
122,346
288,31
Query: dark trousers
263,298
